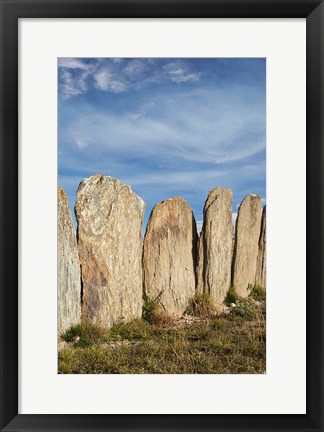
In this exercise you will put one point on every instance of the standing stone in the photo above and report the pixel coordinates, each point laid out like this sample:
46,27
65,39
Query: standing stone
68,267
110,220
170,254
260,278
215,245
246,249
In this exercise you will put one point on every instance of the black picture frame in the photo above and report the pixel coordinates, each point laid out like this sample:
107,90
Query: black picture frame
11,11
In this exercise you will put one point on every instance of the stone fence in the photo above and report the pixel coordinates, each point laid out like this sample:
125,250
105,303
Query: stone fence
106,267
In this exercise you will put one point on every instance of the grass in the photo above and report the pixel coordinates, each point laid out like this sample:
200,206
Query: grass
245,309
231,296
234,343
258,293
84,334
201,305
150,309
153,312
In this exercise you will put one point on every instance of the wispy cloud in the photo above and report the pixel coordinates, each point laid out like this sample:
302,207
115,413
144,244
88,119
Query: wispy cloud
142,111
217,128
73,76
71,63
175,178
234,217
199,226
134,69
106,81
77,75
80,141
179,72
68,86
164,126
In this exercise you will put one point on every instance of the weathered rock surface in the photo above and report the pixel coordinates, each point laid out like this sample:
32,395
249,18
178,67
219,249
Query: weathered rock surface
246,248
110,217
215,245
170,255
68,272
260,278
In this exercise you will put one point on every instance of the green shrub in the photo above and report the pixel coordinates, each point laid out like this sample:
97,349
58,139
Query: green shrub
258,293
153,313
231,296
134,330
84,334
244,309
150,308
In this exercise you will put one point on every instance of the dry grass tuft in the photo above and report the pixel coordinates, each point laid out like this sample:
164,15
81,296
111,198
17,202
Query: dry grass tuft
202,305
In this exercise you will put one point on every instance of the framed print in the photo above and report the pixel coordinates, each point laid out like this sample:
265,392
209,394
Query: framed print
161,223
172,300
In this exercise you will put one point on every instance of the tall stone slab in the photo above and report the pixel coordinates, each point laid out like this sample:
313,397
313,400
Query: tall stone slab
215,245
110,217
170,255
68,267
247,233
260,278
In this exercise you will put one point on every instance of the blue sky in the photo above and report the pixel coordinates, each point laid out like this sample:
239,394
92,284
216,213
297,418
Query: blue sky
167,127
